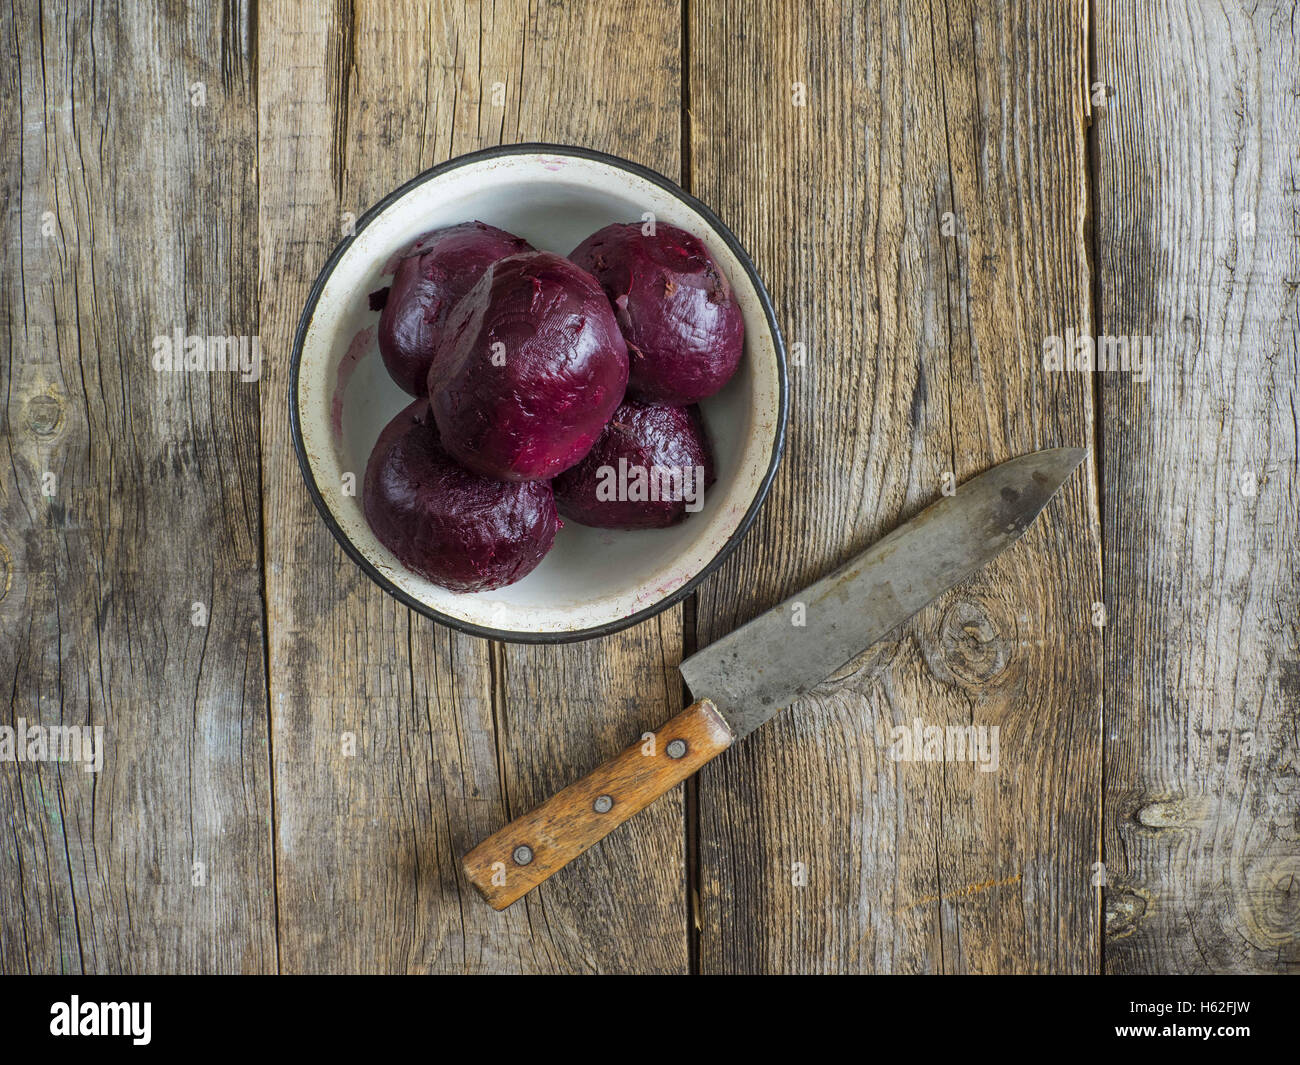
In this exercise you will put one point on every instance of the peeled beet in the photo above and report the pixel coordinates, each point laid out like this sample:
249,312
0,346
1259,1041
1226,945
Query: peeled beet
530,370
427,284
461,531
684,331
650,464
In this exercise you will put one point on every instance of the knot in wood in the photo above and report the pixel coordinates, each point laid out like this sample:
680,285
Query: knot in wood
1272,902
44,414
1124,910
971,651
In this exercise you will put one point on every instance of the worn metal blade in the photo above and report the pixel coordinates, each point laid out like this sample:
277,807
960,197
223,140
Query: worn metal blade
762,667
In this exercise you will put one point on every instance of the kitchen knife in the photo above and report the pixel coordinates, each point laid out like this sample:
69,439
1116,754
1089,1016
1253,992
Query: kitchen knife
748,676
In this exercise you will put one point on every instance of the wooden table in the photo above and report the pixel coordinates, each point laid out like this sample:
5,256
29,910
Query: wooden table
931,191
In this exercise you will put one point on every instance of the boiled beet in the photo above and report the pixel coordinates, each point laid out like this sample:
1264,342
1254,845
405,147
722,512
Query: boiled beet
461,531
649,469
530,370
684,330
427,284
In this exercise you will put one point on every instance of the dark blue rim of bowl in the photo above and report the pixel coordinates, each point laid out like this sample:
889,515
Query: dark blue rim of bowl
510,635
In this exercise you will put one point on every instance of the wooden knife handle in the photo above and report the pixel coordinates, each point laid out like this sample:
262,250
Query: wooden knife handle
510,863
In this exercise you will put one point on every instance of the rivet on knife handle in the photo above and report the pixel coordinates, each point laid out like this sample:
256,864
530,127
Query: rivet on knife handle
510,863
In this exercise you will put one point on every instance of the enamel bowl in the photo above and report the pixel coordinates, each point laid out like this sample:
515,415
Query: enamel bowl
594,581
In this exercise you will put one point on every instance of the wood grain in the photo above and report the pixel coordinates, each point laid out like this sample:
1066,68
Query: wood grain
1198,248
454,735
293,782
605,75
923,356
130,213
517,858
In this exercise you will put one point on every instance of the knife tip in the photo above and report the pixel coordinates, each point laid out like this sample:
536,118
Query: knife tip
1056,465
1064,459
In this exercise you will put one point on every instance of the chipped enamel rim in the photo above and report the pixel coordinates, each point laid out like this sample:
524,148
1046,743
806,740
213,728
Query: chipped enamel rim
340,395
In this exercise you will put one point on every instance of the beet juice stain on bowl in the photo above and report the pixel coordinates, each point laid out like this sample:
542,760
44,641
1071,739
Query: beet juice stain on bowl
347,367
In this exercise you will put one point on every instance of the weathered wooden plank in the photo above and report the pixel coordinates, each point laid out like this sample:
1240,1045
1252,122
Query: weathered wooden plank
608,76
923,356
129,213
453,734
1199,148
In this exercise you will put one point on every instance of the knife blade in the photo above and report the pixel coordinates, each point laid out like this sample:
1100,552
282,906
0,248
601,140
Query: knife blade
750,675
761,668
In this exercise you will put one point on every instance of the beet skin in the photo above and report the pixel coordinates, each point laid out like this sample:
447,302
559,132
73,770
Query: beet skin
684,330
531,367
461,531
427,284
648,470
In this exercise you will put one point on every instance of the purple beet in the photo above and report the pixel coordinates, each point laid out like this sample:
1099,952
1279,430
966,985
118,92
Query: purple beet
684,330
461,531
649,469
427,284
530,370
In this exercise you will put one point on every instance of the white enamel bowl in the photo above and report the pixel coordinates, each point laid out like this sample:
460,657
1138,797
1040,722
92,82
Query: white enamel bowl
594,581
